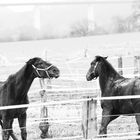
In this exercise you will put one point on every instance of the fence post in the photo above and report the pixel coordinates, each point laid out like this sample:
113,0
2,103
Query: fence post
136,65
89,119
120,65
44,125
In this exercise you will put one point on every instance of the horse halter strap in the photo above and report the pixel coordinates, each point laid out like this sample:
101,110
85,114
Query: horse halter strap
95,67
40,69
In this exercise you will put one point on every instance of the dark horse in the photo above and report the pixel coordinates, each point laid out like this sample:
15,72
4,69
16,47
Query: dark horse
14,92
113,84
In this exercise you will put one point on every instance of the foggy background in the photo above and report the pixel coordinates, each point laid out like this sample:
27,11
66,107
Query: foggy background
29,22
67,29
69,33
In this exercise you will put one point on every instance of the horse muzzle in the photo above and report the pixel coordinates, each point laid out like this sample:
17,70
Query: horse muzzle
57,75
54,75
88,77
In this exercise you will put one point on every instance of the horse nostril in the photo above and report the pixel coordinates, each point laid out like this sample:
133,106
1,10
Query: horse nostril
88,78
57,75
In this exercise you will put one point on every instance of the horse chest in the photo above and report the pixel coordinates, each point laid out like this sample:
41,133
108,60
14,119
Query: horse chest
16,113
12,113
125,107
118,106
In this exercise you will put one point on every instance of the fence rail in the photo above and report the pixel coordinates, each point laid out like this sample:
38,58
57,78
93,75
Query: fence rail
42,104
90,101
60,2
118,138
69,101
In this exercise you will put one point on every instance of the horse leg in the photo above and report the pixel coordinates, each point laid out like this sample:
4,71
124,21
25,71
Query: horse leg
22,124
106,119
11,131
1,124
5,130
13,136
138,122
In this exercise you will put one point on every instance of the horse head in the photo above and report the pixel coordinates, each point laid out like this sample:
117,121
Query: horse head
43,69
94,69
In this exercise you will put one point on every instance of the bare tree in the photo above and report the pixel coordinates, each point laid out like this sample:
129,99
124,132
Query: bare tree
81,28
121,25
136,15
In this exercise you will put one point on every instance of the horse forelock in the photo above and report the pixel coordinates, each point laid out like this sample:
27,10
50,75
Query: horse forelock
33,60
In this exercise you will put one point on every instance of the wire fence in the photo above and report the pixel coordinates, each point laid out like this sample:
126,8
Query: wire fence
64,91
71,76
63,2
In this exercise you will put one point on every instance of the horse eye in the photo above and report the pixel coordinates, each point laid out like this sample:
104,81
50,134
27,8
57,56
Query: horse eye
41,64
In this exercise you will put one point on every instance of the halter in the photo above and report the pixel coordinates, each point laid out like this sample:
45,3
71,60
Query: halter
95,68
40,69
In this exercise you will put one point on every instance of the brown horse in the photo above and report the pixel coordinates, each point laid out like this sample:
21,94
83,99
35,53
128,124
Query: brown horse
113,84
14,92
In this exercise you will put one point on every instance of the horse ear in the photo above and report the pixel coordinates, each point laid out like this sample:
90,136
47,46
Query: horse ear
30,61
98,58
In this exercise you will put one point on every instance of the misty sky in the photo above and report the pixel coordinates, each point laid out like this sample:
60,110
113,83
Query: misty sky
62,17
59,18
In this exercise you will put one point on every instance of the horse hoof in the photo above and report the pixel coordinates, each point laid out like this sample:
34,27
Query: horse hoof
43,136
102,136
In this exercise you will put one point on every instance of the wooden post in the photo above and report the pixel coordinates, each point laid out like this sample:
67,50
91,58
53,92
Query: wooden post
85,52
120,65
136,65
44,125
89,119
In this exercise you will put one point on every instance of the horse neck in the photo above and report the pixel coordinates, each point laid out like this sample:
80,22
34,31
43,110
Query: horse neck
24,78
106,77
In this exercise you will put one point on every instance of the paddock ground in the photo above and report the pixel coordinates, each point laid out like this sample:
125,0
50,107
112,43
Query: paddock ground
77,65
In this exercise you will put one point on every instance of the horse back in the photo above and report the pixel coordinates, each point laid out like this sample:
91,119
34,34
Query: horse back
8,97
136,91
120,87
127,87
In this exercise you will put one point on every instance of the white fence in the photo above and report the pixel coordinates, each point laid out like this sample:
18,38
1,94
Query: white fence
66,77
60,2
77,91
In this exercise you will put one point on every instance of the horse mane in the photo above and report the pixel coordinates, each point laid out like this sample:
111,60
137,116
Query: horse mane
12,77
107,73
16,77
109,69
109,66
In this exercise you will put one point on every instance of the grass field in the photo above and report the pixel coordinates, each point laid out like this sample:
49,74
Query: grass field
68,55
67,111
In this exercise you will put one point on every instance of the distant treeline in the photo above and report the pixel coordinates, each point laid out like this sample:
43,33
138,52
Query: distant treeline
118,24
